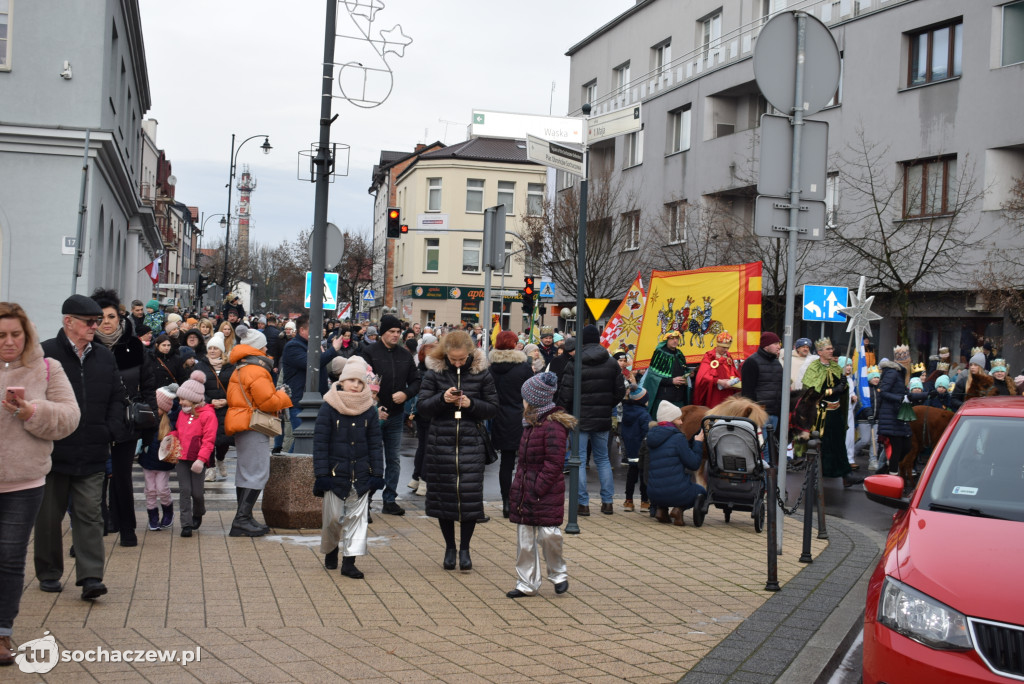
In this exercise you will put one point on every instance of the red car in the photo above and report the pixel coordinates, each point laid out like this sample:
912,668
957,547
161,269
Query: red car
946,602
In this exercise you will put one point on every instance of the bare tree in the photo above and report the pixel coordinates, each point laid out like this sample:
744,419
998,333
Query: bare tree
355,271
907,227
1001,281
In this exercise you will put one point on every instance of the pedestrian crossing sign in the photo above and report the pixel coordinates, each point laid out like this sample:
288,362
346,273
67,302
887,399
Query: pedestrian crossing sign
330,299
547,289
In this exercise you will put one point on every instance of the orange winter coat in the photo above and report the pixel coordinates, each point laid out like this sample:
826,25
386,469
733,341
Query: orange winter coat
258,385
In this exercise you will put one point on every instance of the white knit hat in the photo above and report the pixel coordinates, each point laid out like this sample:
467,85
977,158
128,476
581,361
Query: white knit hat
250,337
216,342
668,412
355,369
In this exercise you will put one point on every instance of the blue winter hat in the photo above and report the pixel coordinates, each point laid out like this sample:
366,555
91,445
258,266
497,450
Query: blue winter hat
942,381
845,361
638,393
802,342
915,384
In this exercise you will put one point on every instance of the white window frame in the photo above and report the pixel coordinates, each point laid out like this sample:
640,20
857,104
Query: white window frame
632,149
661,56
711,36
621,77
475,191
1019,7
590,92
470,245
535,194
431,244
679,124
831,198
510,205
631,230
434,190
5,51
676,216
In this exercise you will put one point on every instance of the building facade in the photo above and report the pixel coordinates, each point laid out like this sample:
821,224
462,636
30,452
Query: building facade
442,195
928,98
66,77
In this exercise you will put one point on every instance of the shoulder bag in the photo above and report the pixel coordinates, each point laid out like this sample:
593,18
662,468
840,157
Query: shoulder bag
490,455
260,421
139,416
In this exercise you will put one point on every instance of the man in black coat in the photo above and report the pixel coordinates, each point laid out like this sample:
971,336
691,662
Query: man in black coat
399,382
602,388
761,376
79,460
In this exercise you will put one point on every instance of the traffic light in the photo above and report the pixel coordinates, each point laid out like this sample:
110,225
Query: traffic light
394,222
528,295
202,285
405,229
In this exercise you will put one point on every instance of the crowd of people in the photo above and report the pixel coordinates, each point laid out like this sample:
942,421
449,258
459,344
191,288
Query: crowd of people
175,391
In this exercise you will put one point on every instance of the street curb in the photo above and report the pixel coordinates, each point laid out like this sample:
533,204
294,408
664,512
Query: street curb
793,636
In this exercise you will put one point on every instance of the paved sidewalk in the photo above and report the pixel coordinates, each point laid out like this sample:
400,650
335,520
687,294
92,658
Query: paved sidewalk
646,603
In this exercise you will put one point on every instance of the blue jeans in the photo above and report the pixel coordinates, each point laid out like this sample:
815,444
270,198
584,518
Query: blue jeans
599,444
392,433
18,512
293,416
774,422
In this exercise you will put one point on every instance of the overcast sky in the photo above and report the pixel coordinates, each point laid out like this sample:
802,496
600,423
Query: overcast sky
254,67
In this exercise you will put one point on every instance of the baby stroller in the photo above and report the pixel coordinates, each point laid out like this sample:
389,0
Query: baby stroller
736,473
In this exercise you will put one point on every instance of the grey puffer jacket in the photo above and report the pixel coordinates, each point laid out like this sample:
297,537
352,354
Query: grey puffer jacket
455,453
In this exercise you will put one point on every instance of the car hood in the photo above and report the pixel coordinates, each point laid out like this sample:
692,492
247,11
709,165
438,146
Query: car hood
970,564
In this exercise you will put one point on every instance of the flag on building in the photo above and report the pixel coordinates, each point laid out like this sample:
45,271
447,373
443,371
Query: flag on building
624,325
700,304
153,269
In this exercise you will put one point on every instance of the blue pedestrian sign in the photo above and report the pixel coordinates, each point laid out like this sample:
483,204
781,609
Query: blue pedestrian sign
369,295
547,289
822,303
330,290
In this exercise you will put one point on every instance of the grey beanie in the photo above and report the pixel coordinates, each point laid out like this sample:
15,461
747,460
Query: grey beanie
978,359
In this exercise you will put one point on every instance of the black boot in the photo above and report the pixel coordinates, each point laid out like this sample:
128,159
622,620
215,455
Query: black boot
465,562
243,525
349,569
449,558
154,519
331,560
504,507
168,518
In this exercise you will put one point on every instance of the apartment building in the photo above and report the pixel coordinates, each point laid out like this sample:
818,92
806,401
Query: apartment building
930,90
442,195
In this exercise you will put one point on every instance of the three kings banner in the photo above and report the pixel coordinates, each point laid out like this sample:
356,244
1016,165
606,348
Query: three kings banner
699,305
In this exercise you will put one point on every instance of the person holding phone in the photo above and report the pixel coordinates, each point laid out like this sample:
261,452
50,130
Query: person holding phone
38,407
457,394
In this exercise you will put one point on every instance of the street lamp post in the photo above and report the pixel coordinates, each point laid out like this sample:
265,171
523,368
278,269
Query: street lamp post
231,179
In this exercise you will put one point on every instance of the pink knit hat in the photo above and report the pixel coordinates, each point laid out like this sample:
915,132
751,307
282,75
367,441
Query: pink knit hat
194,389
165,397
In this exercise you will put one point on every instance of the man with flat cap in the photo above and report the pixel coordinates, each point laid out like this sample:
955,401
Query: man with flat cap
79,460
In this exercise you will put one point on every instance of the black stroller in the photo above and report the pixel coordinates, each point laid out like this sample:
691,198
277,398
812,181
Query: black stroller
736,474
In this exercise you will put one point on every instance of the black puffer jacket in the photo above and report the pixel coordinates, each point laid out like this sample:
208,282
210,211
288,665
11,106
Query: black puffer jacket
102,402
891,390
347,449
602,388
455,458
510,370
762,381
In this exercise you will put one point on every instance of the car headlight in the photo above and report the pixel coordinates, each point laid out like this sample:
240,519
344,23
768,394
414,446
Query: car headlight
918,616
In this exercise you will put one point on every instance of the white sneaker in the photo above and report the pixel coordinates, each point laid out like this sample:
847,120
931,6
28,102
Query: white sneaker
413,484
222,469
422,489
211,475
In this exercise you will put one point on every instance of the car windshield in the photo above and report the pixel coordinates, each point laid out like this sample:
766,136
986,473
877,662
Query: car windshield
981,470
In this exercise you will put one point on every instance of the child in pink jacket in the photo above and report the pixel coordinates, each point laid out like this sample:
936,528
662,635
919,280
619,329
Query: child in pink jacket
196,431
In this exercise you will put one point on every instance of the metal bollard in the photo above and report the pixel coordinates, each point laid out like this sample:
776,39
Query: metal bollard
809,484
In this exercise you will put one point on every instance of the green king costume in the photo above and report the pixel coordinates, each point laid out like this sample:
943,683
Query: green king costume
657,380
826,411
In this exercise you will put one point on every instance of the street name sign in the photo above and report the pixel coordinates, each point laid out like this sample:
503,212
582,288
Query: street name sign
554,155
563,129
330,290
823,303
613,123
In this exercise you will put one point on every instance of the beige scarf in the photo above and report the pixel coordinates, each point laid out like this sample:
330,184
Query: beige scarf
349,403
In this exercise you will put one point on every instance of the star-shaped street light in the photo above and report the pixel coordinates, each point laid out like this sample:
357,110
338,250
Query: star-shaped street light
860,313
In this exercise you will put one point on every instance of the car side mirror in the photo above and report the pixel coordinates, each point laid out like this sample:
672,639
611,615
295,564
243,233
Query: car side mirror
886,490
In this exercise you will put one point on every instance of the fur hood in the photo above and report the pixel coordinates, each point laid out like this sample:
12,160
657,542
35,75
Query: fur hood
477,365
565,419
892,364
506,356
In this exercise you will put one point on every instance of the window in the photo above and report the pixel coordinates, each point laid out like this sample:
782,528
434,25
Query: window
631,229
675,214
929,187
1013,33
535,197
837,99
935,54
661,55
471,256
711,36
770,7
633,149
679,130
507,266
5,35
621,75
507,196
433,194
474,196
433,251
831,198
590,92
568,180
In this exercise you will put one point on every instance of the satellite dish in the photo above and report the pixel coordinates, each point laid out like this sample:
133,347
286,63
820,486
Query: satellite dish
172,180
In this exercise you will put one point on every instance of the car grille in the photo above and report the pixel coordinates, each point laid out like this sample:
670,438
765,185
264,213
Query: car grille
1001,646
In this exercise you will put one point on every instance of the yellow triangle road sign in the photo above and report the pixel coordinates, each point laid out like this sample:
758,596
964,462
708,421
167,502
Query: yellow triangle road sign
597,306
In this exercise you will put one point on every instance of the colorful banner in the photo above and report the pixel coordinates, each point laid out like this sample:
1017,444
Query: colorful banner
699,305
624,325
861,364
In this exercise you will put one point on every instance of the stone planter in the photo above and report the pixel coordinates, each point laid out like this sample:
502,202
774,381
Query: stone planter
288,500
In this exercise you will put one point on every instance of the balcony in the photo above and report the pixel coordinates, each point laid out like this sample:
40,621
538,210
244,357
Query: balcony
146,194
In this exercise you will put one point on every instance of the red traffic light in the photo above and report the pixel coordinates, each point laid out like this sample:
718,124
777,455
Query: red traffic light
404,229
393,214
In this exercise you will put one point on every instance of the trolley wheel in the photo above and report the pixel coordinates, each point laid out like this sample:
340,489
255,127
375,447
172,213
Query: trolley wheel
699,511
727,512
759,515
